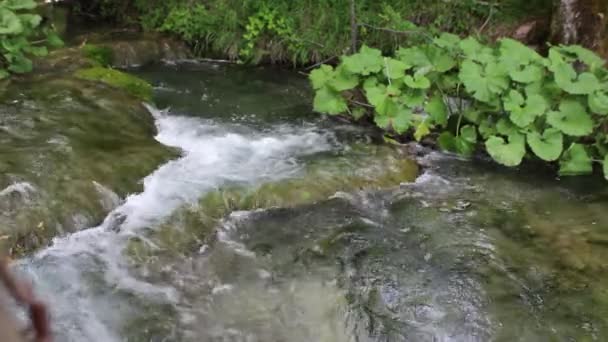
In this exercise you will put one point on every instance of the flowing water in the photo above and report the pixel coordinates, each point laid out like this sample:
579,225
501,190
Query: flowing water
277,225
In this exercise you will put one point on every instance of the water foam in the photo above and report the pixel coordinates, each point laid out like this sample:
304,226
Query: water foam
82,274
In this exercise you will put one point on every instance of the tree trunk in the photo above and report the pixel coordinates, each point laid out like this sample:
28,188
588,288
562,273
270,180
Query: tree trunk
354,29
582,22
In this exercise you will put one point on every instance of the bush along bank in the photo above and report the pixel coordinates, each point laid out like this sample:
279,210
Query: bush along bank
504,98
307,32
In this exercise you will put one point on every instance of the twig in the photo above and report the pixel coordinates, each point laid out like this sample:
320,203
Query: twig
367,105
321,62
487,20
354,29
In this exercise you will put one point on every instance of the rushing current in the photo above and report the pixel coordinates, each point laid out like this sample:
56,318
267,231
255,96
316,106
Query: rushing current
323,235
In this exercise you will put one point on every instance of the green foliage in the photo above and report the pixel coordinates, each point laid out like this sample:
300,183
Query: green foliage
307,31
507,97
19,26
117,79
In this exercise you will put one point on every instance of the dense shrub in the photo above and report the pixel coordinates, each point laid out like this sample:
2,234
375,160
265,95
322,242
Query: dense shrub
308,31
22,37
507,97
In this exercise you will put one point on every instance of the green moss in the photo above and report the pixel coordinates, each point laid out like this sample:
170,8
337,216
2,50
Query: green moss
118,79
102,55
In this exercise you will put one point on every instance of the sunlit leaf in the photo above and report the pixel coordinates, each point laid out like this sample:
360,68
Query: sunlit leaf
572,119
402,120
417,82
343,80
365,62
394,69
437,109
9,22
484,83
575,161
548,146
422,130
509,153
54,40
524,112
19,4
329,101
321,75
447,40
598,103
506,127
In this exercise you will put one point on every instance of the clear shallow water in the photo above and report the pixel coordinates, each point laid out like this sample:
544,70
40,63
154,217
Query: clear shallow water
467,252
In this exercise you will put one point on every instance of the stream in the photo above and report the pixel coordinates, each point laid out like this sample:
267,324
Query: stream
274,224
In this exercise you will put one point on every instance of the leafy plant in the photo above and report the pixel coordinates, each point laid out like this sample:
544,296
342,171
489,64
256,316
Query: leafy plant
505,98
18,27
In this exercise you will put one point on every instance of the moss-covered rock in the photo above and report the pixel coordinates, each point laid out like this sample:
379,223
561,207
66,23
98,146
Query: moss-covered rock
100,54
133,85
69,150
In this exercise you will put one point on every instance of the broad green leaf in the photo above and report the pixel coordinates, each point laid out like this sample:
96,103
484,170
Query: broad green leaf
520,61
380,96
513,101
438,110
524,112
402,120
447,40
605,167
575,161
21,65
469,134
509,153
321,75
568,80
447,141
394,69
527,74
548,146
422,130
4,74
572,119
32,20
587,83
514,54
464,144
486,128
343,80
19,4
414,56
54,40
483,82
413,97
472,115
365,62
586,56
441,61
506,127
329,101
598,103
9,22
473,50
417,82
382,121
